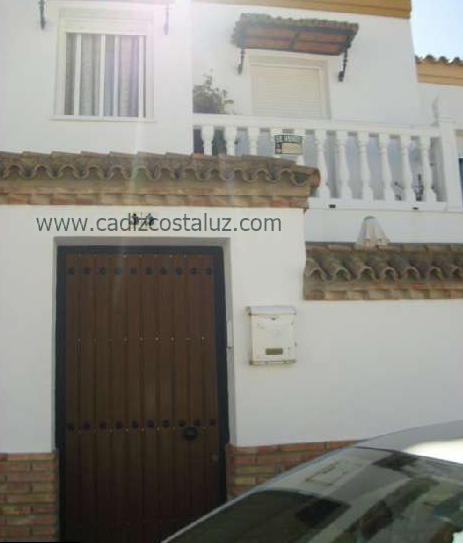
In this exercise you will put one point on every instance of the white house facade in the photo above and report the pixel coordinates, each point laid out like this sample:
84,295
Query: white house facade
188,302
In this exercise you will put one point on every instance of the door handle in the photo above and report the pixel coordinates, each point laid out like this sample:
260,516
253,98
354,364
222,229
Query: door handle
190,433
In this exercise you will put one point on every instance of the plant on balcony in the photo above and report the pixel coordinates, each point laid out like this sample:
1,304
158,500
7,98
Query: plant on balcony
210,99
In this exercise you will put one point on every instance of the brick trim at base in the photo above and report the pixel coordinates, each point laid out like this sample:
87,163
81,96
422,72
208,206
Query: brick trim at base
251,466
28,497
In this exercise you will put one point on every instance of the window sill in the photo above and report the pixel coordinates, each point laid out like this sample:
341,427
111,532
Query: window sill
83,118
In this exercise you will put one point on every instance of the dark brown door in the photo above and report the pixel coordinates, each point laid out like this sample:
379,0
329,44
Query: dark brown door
140,426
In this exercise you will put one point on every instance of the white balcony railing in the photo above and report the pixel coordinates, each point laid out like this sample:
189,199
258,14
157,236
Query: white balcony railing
361,165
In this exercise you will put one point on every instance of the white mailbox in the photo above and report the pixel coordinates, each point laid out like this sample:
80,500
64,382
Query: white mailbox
273,335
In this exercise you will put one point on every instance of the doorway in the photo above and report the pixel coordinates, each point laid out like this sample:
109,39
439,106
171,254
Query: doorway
141,406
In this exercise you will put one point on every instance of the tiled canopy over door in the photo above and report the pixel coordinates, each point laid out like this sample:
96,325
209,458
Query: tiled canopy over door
287,91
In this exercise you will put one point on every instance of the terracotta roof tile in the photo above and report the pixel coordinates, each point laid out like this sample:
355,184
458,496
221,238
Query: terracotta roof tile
440,70
169,179
457,61
348,272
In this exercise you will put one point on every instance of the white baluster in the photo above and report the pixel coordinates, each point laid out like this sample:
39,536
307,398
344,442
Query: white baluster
425,147
253,136
300,158
207,134
274,132
407,173
230,138
388,180
343,169
365,175
322,164
447,156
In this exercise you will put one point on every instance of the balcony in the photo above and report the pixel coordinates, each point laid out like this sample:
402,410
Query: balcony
362,166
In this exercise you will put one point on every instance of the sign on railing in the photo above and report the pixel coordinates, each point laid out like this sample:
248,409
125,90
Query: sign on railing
359,163
288,144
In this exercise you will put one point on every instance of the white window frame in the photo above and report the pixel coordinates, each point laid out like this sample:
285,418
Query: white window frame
283,59
91,24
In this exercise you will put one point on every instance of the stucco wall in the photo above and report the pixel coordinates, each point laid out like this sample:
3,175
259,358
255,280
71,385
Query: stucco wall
260,269
453,97
199,40
27,94
381,83
362,369
400,226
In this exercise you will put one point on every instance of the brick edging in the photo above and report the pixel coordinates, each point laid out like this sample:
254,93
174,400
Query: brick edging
29,497
154,180
251,466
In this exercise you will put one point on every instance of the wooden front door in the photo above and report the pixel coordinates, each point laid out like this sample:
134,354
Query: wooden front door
141,424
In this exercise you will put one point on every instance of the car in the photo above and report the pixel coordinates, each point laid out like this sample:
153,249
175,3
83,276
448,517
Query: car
405,487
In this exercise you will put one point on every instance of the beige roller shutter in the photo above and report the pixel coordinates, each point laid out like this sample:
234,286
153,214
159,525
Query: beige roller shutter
287,91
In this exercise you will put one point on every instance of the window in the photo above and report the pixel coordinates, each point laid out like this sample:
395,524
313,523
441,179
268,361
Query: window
104,70
288,88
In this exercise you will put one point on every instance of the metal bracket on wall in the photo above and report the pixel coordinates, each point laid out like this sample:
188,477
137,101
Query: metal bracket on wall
43,22
342,73
241,64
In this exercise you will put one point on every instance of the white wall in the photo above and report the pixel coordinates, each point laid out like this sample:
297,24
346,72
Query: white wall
362,369
27,300
381,81
343,225
380,85
28,57
451,95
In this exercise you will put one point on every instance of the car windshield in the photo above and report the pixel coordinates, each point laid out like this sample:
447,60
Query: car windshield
354,496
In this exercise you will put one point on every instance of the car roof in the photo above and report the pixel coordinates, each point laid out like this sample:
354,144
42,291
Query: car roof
439,441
